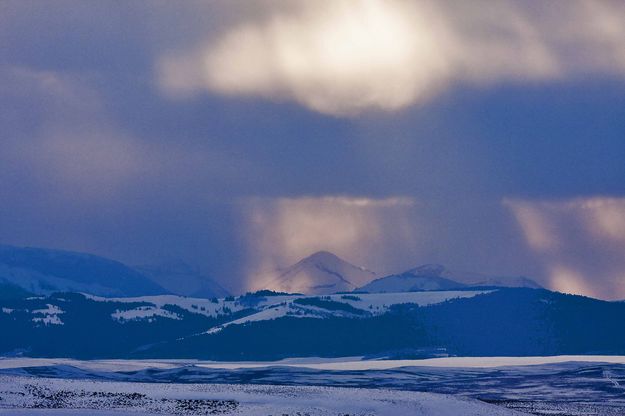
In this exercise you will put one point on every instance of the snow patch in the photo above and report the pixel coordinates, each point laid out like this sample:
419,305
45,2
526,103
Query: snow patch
50,315
144,312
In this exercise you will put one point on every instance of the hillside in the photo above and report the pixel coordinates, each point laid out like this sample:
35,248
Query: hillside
266,326
44,271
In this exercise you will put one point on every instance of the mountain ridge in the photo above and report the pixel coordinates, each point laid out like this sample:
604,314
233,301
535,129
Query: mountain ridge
44,271
437,277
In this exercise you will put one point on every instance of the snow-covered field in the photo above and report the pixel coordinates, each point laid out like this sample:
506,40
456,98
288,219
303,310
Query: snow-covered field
564,386
341,363
38,396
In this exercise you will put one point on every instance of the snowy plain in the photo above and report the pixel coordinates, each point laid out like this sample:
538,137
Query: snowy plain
37,396
563,385
341,363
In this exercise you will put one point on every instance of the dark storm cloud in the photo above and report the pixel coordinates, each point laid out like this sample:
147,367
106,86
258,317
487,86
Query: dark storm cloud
96,157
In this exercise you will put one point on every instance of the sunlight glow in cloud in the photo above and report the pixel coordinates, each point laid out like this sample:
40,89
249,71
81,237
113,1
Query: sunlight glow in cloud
538,231
567,280
347,56
281,231
581,242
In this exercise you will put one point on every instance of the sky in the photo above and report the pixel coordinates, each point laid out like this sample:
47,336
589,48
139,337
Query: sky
241,136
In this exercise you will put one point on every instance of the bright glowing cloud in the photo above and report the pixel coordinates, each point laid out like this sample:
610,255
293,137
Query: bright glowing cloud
605,217
567,280
580,242
538,231
281,231
347,56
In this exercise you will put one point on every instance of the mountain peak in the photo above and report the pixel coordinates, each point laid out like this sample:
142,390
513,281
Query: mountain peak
322,256
320,273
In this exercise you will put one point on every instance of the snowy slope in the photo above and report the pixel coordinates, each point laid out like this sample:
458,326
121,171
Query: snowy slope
44,271
362,305
319,274
158,305
272,307
259,308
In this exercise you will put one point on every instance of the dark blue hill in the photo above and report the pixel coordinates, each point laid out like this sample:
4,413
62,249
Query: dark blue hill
45,271
506,322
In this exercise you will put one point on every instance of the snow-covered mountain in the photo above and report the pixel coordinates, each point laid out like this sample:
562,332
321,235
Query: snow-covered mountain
183,279
43,271
318,274
426,277
438,277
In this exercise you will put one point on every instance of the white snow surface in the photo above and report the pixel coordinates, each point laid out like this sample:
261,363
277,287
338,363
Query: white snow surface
48,316
143,312
340,363
251,400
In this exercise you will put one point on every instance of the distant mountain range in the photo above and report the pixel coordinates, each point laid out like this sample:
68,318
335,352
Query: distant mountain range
423,278
45,271
437,277
125,312
324,273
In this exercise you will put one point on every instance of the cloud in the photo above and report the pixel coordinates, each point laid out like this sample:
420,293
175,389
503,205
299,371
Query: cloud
348,56
538,230
580,242
68,141
74,149
281,231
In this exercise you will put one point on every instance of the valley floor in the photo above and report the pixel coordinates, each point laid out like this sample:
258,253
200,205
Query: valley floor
38,396
563,386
